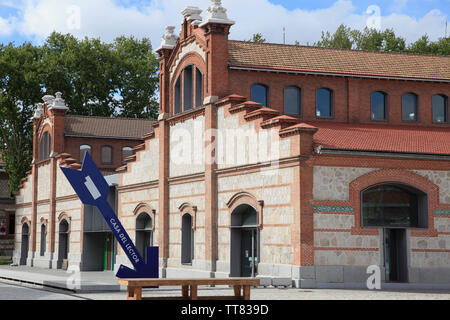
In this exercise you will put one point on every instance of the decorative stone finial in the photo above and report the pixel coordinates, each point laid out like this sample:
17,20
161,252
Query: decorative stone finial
217,14
192,13
169,40
48,99
39,110
58,103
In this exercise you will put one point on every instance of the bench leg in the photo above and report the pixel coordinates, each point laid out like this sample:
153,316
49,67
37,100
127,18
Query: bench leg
237,292
246,292
185,291
193,292
134,293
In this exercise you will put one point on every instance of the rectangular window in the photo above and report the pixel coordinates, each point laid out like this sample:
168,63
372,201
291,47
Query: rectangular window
378,106
440,109
324,103
292,101
107,155
409,107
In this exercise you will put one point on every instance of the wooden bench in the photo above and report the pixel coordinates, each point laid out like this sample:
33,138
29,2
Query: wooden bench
189,287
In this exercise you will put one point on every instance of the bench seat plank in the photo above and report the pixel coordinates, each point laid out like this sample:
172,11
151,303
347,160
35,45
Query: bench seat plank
187,282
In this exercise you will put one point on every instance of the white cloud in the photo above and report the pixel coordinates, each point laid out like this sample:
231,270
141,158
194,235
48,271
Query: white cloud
5,27
107,19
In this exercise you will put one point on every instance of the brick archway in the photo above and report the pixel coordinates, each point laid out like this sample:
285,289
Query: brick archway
394,176
246,198
188,208
143,207
64,216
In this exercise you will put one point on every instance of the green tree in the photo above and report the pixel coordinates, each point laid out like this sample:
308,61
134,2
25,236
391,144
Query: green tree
20,89
341,39
380,41
424,45
97,79
138,78
257,38
103,79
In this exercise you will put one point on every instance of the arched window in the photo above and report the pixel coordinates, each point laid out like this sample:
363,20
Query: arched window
440,108
187,239
63,249
292,101
324,103
25,244
177,96
191,81
45,146
394,205
144,233
409,107
188,88
260,94
378,105
126,152
83,149
107,155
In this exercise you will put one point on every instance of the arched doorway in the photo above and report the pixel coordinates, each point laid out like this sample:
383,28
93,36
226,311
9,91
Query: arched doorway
244,241
144,233
395,207
63,249
43,240
25,244
187,238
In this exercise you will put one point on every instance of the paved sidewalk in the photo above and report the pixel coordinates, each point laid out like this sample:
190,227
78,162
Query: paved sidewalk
104,286
78,282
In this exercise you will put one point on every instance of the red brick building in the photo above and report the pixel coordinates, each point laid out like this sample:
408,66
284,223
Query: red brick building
48,213
298,165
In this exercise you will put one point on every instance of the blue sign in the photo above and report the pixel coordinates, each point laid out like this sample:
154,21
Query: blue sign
92,189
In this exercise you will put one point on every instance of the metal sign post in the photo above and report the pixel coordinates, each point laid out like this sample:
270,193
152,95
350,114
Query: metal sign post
92,189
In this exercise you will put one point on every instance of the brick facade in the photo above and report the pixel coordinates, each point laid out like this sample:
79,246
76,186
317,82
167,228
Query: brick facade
288,206
46,199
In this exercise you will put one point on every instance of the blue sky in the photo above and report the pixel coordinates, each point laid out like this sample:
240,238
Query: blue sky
34,20
415,8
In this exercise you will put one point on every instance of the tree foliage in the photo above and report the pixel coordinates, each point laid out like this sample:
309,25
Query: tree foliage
118,79
20,89
381,41
257,38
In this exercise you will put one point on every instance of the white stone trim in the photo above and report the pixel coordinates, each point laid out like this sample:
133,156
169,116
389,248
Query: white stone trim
191,47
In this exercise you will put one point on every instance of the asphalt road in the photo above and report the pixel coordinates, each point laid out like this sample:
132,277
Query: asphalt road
18,292
15,291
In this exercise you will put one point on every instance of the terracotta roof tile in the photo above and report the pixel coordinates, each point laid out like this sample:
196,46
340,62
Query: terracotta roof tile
107,127
385,138
338,61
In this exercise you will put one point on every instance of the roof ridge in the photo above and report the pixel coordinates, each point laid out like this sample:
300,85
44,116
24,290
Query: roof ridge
343,49
102,117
